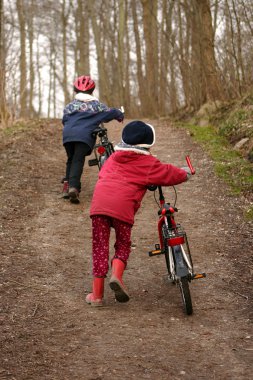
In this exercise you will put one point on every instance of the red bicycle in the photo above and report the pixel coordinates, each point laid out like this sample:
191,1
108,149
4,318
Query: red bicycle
175,247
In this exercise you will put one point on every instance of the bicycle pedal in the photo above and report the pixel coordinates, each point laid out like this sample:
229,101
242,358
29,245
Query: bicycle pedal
93,162
156,251
196,276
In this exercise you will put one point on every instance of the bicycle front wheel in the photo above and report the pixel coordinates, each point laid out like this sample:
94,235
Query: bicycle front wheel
186,295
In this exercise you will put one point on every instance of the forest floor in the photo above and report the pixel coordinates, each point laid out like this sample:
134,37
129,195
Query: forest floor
48,332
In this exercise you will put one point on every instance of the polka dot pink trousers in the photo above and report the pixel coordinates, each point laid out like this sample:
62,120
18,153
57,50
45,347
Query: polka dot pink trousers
101,226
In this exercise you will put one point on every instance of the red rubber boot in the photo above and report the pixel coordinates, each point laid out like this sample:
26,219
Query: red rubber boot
96,297
116,283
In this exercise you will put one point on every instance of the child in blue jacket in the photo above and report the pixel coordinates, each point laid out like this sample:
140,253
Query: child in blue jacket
81,117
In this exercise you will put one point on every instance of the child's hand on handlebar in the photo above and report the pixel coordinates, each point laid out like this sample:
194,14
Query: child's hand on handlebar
120,119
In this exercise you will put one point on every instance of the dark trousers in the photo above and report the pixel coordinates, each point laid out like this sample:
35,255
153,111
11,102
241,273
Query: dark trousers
76,153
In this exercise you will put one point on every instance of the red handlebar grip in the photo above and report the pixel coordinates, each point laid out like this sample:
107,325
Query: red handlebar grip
190,164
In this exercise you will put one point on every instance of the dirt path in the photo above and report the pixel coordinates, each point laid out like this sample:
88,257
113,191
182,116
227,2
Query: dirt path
47,330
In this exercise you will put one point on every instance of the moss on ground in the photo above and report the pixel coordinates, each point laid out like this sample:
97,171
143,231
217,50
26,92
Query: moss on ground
229,165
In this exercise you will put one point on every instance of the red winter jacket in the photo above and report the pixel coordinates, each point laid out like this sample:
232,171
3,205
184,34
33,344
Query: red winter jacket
123,182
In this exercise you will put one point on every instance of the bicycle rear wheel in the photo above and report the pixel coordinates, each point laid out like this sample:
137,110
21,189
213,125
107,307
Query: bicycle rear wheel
186,295
106,155
103,158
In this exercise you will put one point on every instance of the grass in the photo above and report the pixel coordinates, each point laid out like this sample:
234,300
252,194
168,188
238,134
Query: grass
21,126
229,165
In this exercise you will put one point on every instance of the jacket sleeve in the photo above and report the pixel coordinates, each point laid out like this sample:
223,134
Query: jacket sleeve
165,174
64,118
113,113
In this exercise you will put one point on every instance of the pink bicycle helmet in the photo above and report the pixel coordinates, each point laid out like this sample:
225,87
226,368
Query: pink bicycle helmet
84,83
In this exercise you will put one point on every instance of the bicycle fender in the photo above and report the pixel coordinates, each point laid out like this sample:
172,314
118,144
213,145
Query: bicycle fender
180,264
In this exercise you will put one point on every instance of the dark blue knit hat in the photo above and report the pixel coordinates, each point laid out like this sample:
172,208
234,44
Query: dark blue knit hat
139,133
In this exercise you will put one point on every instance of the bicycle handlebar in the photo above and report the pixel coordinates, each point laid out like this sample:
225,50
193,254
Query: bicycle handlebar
188,160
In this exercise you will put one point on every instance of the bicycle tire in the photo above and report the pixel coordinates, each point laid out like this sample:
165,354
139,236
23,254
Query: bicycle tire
167,260
102,160
166,251
106,155
110,149
186,295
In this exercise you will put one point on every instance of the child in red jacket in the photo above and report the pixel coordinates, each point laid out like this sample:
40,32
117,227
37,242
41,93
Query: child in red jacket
122,183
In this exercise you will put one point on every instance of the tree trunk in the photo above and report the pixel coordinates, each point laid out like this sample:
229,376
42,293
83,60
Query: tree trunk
139,61
198,87
103,91
165,36
31,53
240,70
248,18
38,75
54,85
49,100
127,88
22,64
3,108
82,64
215,16
213,87
121,61
167,86
108,43
64,20
151,45
230,60
184,57
172,84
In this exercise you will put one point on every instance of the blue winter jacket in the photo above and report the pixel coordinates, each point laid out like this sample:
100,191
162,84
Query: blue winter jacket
83,115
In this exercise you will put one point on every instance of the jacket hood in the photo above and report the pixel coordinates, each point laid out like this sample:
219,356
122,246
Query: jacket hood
125,156
85,97
122,146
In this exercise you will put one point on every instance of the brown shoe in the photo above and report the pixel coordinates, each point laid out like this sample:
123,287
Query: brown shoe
74,195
